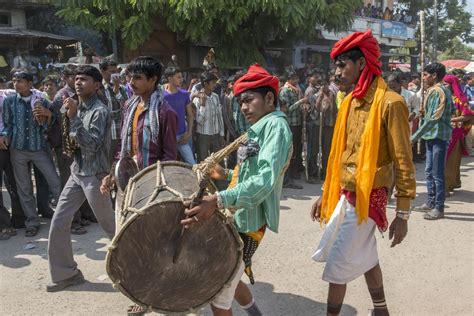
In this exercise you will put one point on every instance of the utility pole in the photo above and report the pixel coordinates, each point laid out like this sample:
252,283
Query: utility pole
435,32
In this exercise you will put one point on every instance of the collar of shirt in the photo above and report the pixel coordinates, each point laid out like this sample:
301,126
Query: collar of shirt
257,127
369,95
89,102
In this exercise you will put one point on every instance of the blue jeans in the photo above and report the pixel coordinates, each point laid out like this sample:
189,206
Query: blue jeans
434,171
186,151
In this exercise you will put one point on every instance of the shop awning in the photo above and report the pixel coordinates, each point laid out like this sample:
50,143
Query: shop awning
20,32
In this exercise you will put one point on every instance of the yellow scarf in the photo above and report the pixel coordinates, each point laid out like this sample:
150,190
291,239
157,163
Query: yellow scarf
367,160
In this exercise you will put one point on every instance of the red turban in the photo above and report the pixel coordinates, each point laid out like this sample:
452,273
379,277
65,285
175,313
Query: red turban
256,77
371,50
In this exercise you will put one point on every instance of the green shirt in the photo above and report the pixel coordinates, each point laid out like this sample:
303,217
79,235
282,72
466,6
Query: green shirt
437,120
257,193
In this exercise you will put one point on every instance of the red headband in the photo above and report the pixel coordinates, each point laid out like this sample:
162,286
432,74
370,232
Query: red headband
256,77
371,50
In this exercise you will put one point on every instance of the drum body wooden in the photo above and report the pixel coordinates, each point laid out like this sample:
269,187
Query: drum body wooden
140,260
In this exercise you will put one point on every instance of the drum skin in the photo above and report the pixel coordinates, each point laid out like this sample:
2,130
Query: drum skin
140,260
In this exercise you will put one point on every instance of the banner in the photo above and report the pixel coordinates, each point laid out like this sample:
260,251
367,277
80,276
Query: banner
394,29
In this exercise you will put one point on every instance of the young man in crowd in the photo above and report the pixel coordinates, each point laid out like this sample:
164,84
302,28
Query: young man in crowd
181,103
289,95
90,128
145,138
313,127
436,131
114,95
26,118
210,124
84,215
371,135
50,87
17,219
256,195
323,104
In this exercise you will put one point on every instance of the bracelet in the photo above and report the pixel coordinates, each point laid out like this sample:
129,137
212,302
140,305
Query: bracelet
220,204
405,215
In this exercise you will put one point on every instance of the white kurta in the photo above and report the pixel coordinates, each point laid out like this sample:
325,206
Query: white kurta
348,249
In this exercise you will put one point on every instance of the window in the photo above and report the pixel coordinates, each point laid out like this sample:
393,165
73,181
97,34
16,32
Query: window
5,19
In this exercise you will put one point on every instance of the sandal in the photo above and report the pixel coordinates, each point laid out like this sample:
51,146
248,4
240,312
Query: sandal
136,310
31,231
78,230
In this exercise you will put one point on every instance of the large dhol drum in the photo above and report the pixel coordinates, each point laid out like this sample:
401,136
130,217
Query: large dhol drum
140,259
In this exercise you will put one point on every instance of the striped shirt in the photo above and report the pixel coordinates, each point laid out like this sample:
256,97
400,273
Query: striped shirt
257,193
209,117
115,103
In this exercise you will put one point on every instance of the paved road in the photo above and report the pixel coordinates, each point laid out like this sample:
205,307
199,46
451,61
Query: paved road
431,273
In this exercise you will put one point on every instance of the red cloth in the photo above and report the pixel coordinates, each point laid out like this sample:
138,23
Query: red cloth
371,50
256,77
377,206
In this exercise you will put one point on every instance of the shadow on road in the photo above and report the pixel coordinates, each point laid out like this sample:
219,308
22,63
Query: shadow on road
19,246
274,303
92,287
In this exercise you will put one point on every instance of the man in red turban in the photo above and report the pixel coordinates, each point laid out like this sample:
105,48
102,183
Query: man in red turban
371,146
256,182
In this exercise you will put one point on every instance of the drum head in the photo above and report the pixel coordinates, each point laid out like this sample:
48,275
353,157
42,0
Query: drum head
140,261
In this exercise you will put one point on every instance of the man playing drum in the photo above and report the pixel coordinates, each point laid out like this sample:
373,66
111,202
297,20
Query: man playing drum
149,125
256,182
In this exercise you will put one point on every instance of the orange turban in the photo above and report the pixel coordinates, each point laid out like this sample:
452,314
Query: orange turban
371,50
256,77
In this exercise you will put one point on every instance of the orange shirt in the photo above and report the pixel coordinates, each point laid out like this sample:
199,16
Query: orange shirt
135,149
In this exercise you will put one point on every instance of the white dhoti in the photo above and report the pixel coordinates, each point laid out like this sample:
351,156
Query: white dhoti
349,249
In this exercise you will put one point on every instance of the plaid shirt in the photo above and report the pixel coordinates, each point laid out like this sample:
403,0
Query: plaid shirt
115,103
436,125
288,98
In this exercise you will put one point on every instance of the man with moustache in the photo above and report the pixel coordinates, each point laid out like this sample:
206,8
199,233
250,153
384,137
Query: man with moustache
371,145
90,128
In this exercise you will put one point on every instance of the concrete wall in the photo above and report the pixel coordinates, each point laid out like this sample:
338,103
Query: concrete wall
18,18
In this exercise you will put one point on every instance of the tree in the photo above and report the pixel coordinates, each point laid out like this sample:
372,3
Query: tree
457,50
453,21
240,29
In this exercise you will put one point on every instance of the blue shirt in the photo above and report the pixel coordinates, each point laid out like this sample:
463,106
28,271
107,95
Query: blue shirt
178,102
20,126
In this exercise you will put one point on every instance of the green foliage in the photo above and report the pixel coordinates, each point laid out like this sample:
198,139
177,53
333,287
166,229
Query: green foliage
239,29
453,20
457,50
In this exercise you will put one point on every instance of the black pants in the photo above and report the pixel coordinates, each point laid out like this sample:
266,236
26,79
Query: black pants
18,218
296,163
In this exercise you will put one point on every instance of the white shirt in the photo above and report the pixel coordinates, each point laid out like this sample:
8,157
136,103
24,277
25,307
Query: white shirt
411,100
209,117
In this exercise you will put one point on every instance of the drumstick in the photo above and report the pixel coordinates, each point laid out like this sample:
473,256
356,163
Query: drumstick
196,201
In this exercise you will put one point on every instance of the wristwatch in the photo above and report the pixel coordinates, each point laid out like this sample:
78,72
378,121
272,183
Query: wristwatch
220,204
405,215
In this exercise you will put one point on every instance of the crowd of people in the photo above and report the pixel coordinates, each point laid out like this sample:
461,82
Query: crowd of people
68,134
377,12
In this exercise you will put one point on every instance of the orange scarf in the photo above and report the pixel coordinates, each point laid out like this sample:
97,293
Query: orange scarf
367,160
